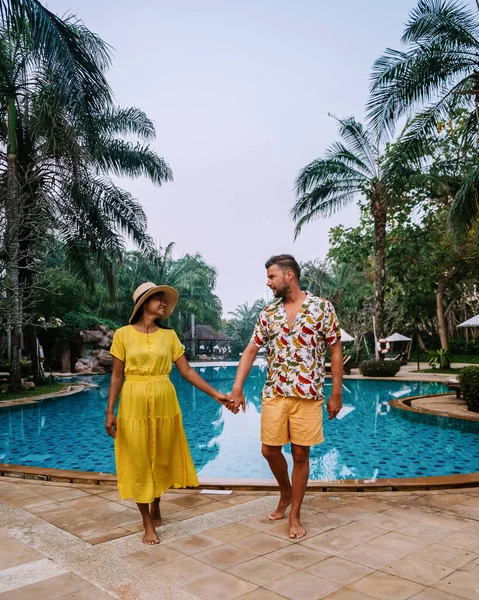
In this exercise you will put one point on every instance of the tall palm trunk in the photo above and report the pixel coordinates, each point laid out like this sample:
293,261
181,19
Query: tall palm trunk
12,213
379,213
441,315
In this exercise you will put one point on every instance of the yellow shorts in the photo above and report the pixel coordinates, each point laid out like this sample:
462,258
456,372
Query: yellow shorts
295,420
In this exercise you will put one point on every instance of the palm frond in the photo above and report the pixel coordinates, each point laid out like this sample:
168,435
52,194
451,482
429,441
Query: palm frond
442,20
465,209
133,160
126,121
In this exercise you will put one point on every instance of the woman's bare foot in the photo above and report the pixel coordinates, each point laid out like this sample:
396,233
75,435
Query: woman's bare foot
155,513
282,507
296,530
150,538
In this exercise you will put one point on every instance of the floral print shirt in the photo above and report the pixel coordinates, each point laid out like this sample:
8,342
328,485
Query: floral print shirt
296,355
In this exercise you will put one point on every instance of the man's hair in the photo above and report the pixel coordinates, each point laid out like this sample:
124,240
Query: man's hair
285,262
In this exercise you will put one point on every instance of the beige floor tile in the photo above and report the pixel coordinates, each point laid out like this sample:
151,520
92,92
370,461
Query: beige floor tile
298,557
373,556
434,594
464,540
192,501
338,570
439,501
224,557
448,521
261,570
194,544
223,585
259,523
350,513
322,522
14,553
444,555
262,543
398,541
386,522
461,583
347,594
324,503
407,511
107,536
425,531
91,593
153,557
183,571
260,594
467,512
387,587
472,567
301,585
471,502
420,571
372,504
229,533
51,589
330,542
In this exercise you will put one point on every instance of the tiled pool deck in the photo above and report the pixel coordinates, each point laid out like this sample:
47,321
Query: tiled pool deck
82,543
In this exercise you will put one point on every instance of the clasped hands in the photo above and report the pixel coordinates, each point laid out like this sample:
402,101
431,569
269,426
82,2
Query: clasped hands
236,400
232,401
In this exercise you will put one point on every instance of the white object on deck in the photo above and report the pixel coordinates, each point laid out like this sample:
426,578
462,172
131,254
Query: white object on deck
222,492
345,337
473,322
397,337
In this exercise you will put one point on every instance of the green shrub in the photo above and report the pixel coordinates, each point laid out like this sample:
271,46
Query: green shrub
379,368
463,347
441,358
469,381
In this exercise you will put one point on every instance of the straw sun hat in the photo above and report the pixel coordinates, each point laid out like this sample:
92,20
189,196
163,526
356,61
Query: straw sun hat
148,289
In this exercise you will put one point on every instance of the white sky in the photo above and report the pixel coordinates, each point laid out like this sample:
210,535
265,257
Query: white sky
239,92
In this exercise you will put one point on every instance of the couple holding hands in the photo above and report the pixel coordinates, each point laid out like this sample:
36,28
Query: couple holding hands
151,450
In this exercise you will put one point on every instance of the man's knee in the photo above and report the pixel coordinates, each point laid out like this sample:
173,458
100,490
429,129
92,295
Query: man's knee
300,453
271,452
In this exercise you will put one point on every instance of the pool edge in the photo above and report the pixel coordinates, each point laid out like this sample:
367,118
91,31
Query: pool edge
357,485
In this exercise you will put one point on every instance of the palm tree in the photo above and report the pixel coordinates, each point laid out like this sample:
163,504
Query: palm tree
436,75
241,326
351,167
78,57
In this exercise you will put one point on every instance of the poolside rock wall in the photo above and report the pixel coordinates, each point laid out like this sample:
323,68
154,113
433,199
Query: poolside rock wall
99,360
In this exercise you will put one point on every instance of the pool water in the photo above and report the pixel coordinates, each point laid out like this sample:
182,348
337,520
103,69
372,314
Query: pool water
371,440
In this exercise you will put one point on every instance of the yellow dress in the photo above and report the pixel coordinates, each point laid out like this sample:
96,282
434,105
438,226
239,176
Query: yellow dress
151,449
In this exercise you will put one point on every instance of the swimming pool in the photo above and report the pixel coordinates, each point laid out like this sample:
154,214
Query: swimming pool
370,441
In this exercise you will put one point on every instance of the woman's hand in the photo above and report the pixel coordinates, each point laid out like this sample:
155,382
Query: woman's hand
111,425
223,399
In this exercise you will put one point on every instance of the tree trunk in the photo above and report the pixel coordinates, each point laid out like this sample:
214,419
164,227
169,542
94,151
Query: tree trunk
441,316
421,343
379,213
12,214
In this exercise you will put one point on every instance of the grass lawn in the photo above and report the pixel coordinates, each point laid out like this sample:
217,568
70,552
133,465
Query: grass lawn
465,358
39,391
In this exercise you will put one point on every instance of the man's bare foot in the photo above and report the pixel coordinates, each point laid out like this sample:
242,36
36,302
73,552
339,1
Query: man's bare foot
150,538
282,507
296,530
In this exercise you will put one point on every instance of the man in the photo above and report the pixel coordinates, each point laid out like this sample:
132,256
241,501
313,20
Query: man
296,329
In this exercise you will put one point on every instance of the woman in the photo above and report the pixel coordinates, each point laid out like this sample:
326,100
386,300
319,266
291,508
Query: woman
151,449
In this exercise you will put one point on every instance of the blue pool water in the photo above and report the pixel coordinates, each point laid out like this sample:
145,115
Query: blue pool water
370,441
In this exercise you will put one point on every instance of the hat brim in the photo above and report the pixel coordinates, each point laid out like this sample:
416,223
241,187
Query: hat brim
171,299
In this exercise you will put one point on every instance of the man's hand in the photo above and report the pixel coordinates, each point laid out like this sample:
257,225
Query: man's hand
334,405
238,399
111,424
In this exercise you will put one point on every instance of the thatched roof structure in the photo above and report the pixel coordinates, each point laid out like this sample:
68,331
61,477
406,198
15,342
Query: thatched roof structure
205,333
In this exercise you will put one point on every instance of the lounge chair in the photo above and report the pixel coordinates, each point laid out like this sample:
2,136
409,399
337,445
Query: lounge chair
346,366
454,387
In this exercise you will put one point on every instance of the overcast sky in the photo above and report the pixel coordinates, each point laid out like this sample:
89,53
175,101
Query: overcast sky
240,93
